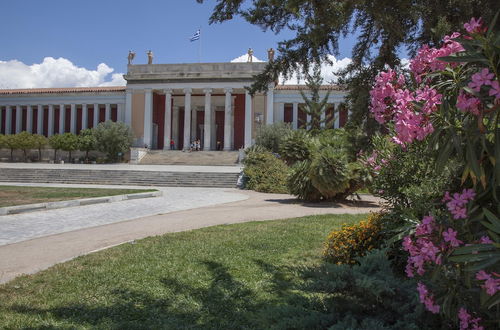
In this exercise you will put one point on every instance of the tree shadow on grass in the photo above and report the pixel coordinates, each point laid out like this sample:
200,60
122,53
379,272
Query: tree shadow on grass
223,303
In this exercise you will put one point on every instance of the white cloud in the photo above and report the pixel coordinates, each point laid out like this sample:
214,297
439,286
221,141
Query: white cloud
327,72
244,58
53,72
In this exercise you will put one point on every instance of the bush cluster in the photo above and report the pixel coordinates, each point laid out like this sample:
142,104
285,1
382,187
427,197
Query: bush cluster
346,245
112,138
265,172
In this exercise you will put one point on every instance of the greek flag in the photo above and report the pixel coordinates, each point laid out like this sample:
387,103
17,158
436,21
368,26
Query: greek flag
195,36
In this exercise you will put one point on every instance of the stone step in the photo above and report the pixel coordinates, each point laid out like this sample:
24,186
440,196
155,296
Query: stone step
176,157
145,178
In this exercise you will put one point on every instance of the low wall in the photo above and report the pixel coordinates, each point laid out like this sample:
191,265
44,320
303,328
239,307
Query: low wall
48,155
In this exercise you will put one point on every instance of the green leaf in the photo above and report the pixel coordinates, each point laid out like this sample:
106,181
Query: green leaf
472,160
464,59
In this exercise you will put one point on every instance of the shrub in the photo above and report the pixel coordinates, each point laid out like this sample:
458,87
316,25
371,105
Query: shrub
39,142
271,136
297,146
113,138
86,141
299,182
344,246
265,172
368,295
328,173
56,141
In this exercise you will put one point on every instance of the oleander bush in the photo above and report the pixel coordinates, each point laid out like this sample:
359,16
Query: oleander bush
346,245
265,172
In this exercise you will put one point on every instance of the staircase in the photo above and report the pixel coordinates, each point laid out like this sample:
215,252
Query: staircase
177,157
120,177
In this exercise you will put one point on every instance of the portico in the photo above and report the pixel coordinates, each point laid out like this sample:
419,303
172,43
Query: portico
187,102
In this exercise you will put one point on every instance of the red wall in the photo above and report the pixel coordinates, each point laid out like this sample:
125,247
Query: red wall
102,114
239,121
180,144
343,117
45,122
114,113
67,120
288,117
91,117
219,135
56,120
302,119
159,116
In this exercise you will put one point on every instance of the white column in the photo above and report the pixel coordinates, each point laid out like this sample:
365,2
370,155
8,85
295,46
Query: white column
248,119
187,118
120,113
29,119
62,116
108,112
1,117
85,116
308,119
323,117
281,112
51,121
227,119
96,114
128,107
8,120
39,120
295,114
270,104
175,126
168,119
73,119
194,122
148,117
336,113
207,125
19,118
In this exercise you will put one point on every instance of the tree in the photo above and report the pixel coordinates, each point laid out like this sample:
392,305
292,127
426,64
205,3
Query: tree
314,106
113,138
69,143
86,141
39,142
9,141
56,142
381,28
24,141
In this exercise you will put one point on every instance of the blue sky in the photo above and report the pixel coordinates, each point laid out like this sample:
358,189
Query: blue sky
90,32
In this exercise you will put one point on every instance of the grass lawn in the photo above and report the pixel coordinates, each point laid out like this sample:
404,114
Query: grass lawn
18,195
252,275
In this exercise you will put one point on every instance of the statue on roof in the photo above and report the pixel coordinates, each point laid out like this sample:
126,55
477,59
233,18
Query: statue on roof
250,55
270,54
150,57
131,56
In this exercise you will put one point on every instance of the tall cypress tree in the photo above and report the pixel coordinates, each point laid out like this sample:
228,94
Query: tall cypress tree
315,107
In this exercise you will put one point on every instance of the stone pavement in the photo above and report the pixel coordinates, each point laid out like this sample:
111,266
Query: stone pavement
30,256
20,227
130,167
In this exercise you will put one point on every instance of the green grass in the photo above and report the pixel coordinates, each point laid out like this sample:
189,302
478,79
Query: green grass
21,195
252,275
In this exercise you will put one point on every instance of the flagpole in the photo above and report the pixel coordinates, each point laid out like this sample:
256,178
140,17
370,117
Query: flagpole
199,47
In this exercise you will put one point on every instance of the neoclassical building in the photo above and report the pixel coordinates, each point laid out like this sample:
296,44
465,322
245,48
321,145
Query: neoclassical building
164,102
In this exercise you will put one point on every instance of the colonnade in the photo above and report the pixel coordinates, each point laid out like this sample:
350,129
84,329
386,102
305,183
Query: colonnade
50,110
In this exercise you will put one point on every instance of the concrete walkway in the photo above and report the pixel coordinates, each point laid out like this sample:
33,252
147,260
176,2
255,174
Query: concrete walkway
129,167
30,256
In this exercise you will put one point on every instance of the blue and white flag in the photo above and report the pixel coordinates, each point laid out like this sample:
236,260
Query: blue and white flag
195,36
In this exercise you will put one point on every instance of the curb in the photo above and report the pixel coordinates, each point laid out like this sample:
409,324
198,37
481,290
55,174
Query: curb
75,202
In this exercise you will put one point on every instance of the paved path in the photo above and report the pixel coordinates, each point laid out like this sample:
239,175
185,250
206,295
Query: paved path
40,253
21,227
129,167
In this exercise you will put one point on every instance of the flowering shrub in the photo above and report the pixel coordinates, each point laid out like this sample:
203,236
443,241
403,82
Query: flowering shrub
451,101
344,246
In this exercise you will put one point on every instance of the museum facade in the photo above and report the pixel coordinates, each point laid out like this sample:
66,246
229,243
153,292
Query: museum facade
165,102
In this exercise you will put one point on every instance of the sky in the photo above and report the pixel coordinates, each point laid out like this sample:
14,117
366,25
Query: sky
65,43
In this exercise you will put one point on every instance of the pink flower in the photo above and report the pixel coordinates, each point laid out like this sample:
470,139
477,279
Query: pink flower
426,299
485,240
457,205
467,322
491,284
474,26
426,227
481,78
451,236
468,103
495,89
